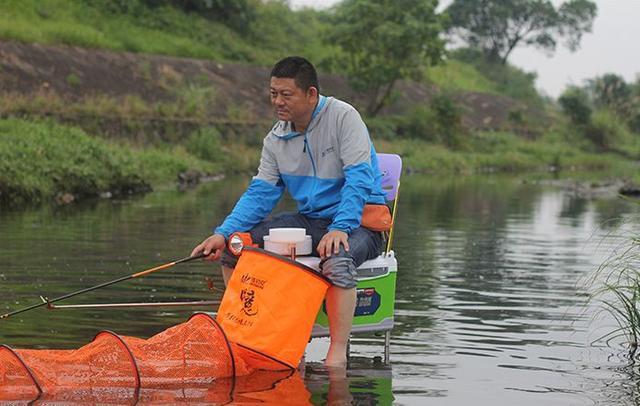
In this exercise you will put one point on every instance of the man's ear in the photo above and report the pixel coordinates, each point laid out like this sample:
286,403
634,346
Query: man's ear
312,91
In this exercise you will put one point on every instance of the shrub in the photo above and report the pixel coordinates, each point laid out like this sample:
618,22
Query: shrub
205,144
40,159
448,120
575,104
419,123
605,130
383,127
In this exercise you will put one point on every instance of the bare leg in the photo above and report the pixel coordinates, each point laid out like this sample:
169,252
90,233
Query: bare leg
341,304
226,274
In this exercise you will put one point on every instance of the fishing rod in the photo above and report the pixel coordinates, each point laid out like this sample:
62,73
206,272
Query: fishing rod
47,302
129,305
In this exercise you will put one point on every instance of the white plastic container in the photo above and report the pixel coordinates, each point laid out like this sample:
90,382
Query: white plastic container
288,235
281,240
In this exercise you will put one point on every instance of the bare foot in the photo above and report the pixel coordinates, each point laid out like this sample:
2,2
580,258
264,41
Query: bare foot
339,393
336,358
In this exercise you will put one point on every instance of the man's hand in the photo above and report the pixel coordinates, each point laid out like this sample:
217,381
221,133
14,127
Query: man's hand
331,241
212,247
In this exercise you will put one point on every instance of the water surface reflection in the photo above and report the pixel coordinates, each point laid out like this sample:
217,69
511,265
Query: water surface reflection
489,308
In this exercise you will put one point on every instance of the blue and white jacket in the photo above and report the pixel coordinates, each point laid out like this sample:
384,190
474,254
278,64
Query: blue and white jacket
330,170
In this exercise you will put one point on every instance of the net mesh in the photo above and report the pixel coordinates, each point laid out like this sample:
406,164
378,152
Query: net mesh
112,368
197,354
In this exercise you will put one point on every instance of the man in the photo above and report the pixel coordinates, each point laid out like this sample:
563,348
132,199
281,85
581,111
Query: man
320,151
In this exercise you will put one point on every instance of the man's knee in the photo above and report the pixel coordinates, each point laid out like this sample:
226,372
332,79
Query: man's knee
340,270
364,244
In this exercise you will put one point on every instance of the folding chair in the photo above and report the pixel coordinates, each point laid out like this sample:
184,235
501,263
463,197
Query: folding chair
376,289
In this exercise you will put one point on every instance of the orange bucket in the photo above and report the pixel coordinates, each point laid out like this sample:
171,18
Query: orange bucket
270,305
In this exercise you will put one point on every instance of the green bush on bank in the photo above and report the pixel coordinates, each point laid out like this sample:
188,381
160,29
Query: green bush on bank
609,133
439,122
205,144
41,160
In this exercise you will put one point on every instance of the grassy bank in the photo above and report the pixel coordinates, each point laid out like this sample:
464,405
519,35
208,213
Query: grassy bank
131,26
41,161
505,152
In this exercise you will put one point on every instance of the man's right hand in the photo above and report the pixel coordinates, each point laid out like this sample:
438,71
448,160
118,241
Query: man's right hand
212,247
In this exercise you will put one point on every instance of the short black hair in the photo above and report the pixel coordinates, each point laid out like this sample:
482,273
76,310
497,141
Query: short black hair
299,69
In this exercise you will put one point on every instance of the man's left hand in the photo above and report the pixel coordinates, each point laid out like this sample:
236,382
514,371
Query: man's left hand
331,241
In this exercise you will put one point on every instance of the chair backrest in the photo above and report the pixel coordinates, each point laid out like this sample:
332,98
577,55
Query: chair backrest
391,167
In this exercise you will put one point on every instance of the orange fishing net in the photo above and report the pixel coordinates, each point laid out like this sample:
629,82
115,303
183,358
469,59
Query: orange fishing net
190,354
197,354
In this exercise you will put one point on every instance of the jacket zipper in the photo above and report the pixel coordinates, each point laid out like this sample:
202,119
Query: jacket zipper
304,149
313,165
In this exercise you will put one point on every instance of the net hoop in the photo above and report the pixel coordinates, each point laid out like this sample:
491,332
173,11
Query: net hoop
213,321
24,365
134,364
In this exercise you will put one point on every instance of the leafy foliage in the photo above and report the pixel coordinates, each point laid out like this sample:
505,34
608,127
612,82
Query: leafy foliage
205,144
604,130
497,27
237,14
576,105
448,120
607,111
611,91
384,41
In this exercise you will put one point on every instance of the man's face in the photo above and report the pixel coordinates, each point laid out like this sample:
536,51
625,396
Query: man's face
290,102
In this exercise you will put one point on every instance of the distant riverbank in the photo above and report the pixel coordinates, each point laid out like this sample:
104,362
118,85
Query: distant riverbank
42,161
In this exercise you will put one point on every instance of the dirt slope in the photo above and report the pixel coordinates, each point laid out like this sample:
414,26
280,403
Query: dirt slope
73,74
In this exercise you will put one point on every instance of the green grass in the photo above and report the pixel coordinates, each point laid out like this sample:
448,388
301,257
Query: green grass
79,24
616,286
40,160
454,75
506,79
501,152
163,30
191,102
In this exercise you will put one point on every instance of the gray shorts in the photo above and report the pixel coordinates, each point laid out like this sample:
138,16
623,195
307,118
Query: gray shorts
340,268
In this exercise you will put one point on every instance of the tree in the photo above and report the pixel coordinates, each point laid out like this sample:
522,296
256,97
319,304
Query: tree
610,90
384,41
236,14
576,105
497,27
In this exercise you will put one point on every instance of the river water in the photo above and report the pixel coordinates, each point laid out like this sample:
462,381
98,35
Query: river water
491,297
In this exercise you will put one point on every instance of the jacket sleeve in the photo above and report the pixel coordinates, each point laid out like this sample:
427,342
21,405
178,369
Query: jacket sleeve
258,200
355,153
